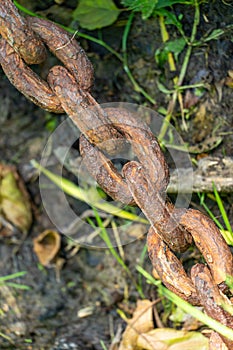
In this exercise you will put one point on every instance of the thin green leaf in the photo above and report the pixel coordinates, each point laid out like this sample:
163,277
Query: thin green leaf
222,209
175,46
11,276
104,235
87,196
25,10
209,212
103,345
4,336
163,88
214,35
227,236
18,286
146,7
96,14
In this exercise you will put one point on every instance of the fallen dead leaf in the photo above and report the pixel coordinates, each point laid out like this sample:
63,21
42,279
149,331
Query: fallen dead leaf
171,339
141,322
14,200
46,246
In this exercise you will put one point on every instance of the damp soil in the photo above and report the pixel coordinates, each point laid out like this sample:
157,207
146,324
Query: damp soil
73,305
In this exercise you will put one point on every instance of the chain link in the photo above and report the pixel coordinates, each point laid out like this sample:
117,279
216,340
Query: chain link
144,183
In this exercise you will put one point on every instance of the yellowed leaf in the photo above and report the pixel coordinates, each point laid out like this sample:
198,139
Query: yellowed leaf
141,322
229,79
14,199
229,82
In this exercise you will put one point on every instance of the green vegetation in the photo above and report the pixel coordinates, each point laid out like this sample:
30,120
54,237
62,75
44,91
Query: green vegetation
227,231
4,280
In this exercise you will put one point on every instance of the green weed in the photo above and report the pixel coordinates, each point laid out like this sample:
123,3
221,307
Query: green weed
4,280
226,233
105,237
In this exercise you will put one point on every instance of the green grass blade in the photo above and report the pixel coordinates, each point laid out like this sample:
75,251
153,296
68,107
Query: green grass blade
75,191
18,286
104,235
106,239
11,276
103,345
209,212
227,235
222,209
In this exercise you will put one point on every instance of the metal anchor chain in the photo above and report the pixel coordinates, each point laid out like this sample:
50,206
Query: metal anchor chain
67,89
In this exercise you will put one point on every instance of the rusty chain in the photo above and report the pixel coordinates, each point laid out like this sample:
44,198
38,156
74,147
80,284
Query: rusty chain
144,183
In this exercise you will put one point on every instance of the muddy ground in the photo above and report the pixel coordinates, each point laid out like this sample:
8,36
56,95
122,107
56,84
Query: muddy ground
47,315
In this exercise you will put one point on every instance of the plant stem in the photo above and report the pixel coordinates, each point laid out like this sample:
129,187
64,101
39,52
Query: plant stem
183,71
136,86
95,40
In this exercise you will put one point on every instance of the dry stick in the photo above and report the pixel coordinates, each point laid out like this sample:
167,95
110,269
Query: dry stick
209,170
184,67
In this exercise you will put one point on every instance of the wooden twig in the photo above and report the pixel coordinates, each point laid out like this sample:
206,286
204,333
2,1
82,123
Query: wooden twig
209,170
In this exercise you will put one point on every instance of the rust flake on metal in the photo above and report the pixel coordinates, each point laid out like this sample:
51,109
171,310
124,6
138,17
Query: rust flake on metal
14,29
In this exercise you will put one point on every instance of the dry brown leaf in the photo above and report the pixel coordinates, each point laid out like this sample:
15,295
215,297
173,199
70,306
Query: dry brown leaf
141,322
171,339
46,246
14,199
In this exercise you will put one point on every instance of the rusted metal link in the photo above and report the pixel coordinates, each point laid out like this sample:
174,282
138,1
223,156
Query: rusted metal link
106,131
211,244
92,121
66,49
59,42
160,212
104,172
216,342
14,28
191,222
170,269
144,145
212,299
26,81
